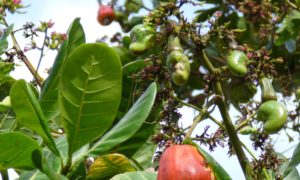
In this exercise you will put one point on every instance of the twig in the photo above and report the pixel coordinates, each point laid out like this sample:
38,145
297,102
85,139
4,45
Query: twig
234,139
24,59
196,121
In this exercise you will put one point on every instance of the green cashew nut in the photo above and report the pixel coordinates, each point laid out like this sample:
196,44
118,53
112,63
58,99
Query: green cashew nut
179,66
267,90
237,63
142,39
273,114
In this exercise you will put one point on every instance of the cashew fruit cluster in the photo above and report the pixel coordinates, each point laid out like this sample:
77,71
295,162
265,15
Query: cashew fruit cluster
181,162
177,62
142,39
106,15
267,90
237,63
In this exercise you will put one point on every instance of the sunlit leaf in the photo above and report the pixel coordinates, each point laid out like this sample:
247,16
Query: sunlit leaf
109,165
90,93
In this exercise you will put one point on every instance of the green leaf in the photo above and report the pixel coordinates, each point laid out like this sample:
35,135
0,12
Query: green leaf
29,113
133,5
3,39
90,93
127,85
49,92
6,68
143,156
289,28
136,176
218,170
128,125
109,165
16,150
33,175
295,160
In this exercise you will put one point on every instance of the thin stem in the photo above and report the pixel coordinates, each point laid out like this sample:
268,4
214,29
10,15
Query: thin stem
4,174
246,121
234,139
30,67
249,151
187,104
216,122
41,55
196,121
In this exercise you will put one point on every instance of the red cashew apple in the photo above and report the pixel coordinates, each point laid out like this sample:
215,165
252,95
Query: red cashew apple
106,15
183,162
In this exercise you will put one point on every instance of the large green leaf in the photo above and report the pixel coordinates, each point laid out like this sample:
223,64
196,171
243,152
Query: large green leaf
295,160
49,92
138,175
109,165
90,93
128,125
29,113
16,150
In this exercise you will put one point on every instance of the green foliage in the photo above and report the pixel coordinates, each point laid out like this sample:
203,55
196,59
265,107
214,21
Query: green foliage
136,175
130,123
29,113
49,92
16,150
108,165
103,112
90,93
289,28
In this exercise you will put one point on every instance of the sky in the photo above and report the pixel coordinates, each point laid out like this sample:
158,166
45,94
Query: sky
63,12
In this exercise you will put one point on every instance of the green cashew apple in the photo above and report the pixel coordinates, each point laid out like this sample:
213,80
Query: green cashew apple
142,39
273,114
237,63
174,44
179,67
298,93
267,90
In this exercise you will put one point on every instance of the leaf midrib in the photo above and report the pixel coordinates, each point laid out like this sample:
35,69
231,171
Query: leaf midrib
78,122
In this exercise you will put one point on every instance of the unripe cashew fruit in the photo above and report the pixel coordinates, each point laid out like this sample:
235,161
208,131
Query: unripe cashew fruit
298,93
237,63
106,15
273,114
267,90
179,67
142,39
174,44
183,162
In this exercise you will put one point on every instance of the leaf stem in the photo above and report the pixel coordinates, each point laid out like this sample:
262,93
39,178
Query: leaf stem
22,56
